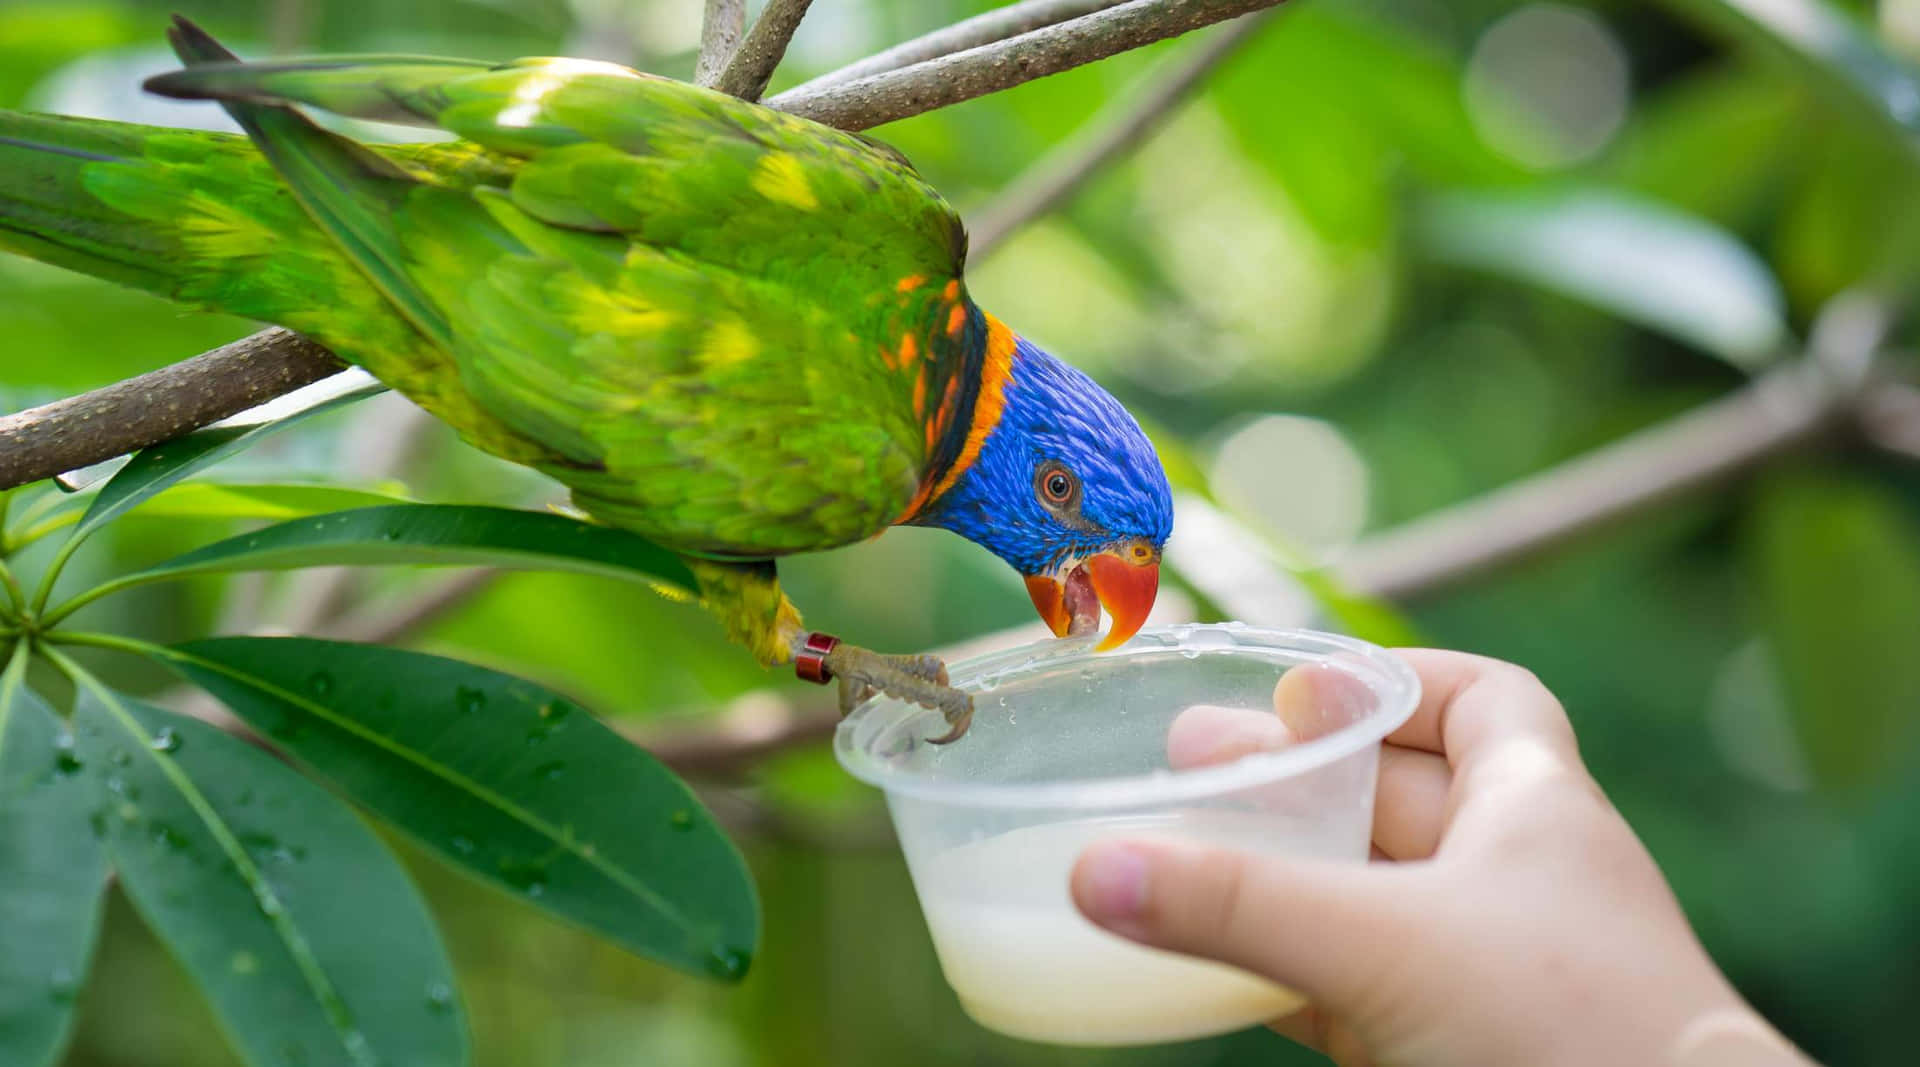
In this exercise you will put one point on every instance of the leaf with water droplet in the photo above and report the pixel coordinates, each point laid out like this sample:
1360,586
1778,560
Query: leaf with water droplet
666,888
440,997
320,683
166,739
729,963
468,700
320,960
53,873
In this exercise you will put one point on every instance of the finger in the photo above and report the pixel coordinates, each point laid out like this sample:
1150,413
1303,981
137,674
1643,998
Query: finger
1470,704
1410,802
1324,1034
1322,928
1315,699
1205,734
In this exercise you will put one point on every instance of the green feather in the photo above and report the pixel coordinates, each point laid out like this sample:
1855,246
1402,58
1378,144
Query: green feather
689,309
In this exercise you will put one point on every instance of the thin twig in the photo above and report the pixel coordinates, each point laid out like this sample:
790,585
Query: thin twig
157,406
1777,412
1118,128
985,28
950,79
720,30
419,610
751,67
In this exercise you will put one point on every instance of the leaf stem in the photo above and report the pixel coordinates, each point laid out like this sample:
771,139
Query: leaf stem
116,642
60,558
16,596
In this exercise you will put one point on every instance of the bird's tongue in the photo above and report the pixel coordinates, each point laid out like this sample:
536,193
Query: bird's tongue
1082,604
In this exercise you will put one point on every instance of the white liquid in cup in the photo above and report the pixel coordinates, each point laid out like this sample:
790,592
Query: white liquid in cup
1024,961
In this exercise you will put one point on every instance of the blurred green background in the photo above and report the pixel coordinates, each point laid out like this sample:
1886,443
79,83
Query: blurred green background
1395,254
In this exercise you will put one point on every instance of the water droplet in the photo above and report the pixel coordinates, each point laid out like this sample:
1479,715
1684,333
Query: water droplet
462,845
167,836
320,683
440,997
119,757
529,877
547,772
166,740
728,963
61,986
98,821
64,761
555,710
469,700
243,798
390,535
682,820
243,962
116,785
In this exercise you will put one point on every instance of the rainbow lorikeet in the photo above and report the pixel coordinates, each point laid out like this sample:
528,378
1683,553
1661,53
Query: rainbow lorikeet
734,331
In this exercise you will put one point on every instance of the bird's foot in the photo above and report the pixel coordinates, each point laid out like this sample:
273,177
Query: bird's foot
920,679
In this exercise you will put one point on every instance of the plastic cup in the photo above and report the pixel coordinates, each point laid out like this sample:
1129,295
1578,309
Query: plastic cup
1069,746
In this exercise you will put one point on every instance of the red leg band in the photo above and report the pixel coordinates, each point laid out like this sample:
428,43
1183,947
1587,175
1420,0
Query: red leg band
810,663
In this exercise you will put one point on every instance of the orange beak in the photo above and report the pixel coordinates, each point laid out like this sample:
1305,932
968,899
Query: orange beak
1123,581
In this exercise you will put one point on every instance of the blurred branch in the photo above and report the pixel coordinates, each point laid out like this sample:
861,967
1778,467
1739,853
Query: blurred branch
751,65
418,611
157,406
720,30
1118,128
985,28
1777,412
951,79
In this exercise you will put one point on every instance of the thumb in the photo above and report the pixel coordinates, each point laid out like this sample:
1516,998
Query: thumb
1328,930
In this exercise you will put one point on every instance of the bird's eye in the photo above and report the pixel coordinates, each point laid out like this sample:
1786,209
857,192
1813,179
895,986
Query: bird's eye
1057,485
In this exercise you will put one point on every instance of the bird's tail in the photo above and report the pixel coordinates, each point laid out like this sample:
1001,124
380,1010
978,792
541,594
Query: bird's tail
48,212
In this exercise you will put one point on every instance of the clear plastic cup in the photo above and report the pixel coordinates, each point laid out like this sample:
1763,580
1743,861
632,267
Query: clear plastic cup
1069,746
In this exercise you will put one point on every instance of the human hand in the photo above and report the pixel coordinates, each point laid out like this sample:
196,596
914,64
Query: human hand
1519,920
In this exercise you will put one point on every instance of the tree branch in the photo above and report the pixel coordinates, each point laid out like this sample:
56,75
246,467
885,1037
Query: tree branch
951,79
1777,412
1119,127
720,30
751,66
986,28
157,406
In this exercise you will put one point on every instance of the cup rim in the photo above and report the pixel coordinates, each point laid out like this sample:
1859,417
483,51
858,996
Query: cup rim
1391,678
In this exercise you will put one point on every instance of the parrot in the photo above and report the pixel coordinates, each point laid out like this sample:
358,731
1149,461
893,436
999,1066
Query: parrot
733,331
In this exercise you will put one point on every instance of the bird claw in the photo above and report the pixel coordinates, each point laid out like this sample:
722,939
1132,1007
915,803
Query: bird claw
920,679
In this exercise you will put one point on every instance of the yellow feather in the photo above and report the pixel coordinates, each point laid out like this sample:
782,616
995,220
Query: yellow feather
781,178
729,343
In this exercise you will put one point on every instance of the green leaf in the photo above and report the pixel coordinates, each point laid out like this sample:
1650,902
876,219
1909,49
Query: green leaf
505,779
1837,563
1391,98
286,910
232,500
1827,43
1650,265
154,469
436,534
53,872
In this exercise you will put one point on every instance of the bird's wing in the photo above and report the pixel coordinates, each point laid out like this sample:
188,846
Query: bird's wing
724,323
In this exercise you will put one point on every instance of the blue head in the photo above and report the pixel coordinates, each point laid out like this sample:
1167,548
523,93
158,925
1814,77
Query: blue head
1065,488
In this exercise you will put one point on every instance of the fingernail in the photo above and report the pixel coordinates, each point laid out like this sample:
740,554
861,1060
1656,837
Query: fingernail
1115,882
